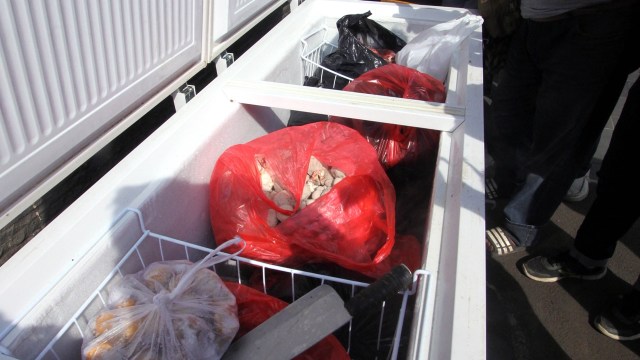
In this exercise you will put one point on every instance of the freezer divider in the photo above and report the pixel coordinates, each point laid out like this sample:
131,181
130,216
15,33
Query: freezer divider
385,109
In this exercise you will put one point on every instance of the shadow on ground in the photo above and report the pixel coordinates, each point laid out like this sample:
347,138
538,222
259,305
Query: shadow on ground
527,319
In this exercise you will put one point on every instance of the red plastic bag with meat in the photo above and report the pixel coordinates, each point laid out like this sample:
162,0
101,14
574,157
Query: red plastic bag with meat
255,307
396,143
352,225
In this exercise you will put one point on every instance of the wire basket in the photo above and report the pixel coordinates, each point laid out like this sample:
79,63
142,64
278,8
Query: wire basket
236,269
315,47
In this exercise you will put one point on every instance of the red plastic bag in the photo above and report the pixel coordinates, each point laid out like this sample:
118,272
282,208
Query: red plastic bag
396,143
255,307
352,225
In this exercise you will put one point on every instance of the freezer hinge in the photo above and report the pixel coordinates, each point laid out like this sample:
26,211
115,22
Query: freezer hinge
294,4
223,62
182,96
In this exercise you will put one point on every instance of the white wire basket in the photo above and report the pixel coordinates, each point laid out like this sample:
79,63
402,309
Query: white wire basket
316,46
67,342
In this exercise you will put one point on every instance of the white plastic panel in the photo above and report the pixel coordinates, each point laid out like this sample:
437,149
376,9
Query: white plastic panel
228,20
230,14
70,70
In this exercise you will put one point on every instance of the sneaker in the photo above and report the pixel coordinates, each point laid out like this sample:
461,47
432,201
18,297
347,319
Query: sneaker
554,268
500,242
579,189
621,321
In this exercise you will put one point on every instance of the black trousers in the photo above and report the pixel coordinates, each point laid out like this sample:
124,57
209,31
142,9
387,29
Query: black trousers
616,208
555,73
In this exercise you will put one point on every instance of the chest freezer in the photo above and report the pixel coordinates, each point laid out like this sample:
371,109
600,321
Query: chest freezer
154,204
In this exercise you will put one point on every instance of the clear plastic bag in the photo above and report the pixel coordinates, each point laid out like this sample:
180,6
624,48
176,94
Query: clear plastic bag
169,310
431,50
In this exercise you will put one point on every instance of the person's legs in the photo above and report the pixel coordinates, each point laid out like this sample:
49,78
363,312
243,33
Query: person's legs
575,69
628,63
512,106
508,127
579,189
600,115
607,220
621,319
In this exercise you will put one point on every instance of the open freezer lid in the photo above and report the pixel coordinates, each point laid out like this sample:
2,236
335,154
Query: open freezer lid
75,75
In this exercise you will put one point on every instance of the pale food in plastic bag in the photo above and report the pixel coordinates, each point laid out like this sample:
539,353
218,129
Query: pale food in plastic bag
169,310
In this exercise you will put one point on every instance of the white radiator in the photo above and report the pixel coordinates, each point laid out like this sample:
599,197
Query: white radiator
71,70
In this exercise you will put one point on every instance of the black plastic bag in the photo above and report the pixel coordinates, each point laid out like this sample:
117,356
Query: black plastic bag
367,32
362,44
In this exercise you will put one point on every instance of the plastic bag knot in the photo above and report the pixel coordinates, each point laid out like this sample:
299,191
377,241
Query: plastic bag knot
162,299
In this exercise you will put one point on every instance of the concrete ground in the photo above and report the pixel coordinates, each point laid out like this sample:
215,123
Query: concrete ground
534,320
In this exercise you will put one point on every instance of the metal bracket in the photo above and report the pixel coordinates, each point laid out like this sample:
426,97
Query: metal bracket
182,96
223,62
295,3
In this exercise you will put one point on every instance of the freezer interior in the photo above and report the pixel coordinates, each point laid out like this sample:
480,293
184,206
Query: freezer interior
154,204
175,207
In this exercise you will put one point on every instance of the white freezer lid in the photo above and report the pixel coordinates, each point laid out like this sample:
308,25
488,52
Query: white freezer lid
76,74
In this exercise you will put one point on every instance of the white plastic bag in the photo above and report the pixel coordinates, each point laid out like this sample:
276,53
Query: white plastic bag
169,310
431,50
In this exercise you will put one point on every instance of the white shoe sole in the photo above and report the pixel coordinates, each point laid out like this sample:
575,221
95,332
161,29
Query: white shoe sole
579,190
557,278
614,336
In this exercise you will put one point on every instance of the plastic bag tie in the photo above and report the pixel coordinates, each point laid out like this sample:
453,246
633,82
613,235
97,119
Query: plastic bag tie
208,261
